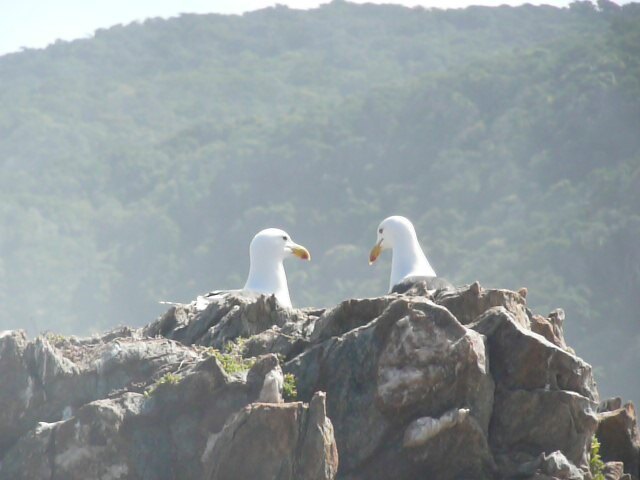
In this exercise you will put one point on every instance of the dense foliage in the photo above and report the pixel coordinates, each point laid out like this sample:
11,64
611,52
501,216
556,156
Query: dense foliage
136,165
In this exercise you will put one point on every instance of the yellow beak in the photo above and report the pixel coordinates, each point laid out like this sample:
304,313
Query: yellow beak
300,252
375,252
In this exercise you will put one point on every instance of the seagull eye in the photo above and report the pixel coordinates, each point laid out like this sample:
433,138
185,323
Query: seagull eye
380,230
284,237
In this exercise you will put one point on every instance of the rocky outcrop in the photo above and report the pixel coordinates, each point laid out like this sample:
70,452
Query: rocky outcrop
137,408
449,383
413,361
290,441
619,436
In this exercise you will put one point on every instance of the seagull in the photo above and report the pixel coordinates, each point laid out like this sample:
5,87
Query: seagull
408,262
267,252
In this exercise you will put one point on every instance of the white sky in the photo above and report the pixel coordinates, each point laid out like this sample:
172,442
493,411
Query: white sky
37,23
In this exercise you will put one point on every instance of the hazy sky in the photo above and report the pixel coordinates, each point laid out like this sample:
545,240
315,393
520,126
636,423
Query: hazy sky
37,23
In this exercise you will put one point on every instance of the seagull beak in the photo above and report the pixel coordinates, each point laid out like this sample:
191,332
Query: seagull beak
375,252
300,252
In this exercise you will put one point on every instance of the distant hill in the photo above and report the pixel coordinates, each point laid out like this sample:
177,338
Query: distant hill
135,166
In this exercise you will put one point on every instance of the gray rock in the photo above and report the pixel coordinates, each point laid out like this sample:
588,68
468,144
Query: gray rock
610,404
539,421
550,327
556,319
413,360
421,286
290,441
521,359
458,384
225,318
348,316
613,470
619,438
87,445
429,443
19,388
554,465
468,303
40,384
165,433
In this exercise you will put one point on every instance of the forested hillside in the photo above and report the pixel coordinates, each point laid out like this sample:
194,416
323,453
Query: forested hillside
135,166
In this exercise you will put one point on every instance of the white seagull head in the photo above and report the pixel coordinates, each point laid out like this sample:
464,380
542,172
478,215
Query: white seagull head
267,251
398,234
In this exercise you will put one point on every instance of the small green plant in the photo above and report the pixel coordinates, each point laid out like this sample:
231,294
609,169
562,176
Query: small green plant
236,347
289,389
596,465
233,363
54,338
231,357
167,379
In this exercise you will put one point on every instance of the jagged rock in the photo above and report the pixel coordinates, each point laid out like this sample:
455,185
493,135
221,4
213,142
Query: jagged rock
468,303
275,340
413,360
18,387
347,316
556,319
552,466
619,438
85,446
429,443
164,434
610,404
41,385
232,315
613,470
521,359
411,380
421,286
290,441
544,327
545,397
538,421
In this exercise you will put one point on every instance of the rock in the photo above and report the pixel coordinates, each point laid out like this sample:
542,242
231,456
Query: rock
545,396
421,286
454,384
556,319
429,443
291,441
412,360
619,438
227,317
518,354
275,340
19,389
613,470
552,466
85,446
610,404
40,384
542,326
468,303
539,421
348,316
165,433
